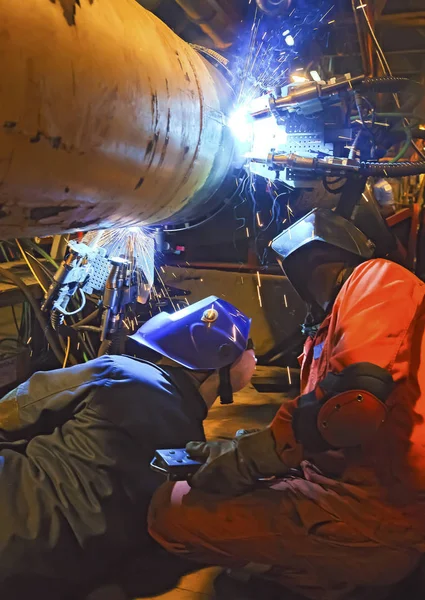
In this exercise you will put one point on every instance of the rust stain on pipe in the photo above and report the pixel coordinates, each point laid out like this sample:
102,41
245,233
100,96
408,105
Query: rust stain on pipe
68,8
108,129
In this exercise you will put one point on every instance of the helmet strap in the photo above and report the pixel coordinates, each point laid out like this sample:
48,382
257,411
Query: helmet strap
225,390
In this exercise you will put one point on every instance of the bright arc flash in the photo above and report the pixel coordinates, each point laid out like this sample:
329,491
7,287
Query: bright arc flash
256,136
267,135
240,124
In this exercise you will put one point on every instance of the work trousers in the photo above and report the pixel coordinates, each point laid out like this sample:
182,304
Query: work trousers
280,534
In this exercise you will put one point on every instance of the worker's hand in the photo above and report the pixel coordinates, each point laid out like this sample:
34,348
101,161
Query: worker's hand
220,474
233,467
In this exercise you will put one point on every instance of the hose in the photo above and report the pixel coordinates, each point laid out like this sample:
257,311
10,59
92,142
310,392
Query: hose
105,348
405,146
42,252
388,169
91,317
119,339
56,319
391,84
68,348
88,328
38,314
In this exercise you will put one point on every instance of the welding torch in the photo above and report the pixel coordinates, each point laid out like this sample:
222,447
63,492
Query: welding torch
341,167
331,165
60,279
119,291
307,93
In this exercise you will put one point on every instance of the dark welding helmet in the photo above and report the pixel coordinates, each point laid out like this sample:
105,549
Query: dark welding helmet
298,246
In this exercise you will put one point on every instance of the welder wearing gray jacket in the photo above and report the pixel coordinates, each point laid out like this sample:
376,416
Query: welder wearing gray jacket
76,444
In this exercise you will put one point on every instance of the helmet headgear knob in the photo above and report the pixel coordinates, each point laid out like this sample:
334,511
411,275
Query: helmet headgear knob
210,315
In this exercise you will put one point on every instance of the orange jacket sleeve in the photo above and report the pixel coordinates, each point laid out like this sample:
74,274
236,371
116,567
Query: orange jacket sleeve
372,320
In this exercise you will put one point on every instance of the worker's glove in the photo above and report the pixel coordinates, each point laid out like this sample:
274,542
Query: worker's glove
233,467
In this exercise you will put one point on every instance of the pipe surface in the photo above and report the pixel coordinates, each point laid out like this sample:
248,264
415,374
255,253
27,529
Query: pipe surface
107,119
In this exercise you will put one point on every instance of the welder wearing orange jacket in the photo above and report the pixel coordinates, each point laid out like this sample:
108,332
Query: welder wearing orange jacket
351,522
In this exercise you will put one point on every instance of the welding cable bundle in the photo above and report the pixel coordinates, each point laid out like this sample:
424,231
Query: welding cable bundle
61,332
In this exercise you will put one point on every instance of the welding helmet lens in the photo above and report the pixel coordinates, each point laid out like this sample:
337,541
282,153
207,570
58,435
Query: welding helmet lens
208,335
319,237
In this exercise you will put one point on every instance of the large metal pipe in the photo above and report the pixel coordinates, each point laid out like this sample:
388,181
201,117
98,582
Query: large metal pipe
107,118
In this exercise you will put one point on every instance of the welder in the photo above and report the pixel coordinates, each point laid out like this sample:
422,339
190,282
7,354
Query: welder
328,501
76,444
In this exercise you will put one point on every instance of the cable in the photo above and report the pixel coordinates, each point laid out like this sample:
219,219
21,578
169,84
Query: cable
47,257
330,190
84,337
405,147
68,348
105,348
27,321
388,169
8,339
224,205
42,252
88,328
4,253
38,314
387,84
418,150
40,264
15,320
91,317
73,361
381,56
24,256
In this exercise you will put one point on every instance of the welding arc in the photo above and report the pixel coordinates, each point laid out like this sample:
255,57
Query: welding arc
38,314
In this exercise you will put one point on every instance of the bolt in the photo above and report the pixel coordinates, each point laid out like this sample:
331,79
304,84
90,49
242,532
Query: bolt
210,315
359,398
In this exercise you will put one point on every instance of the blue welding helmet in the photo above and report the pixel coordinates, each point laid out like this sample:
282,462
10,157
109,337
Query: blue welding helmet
208,335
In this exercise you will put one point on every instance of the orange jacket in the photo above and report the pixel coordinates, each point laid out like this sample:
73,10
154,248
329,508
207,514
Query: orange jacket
378,317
